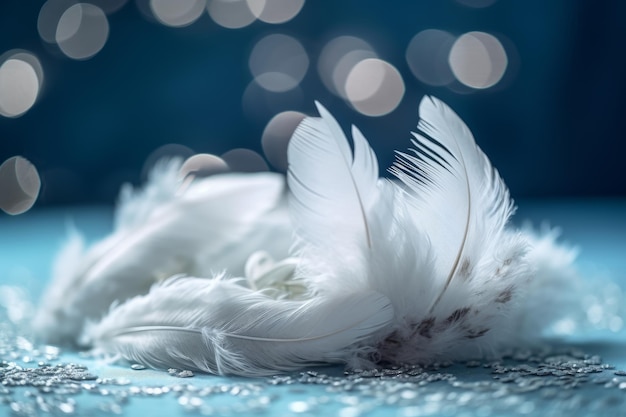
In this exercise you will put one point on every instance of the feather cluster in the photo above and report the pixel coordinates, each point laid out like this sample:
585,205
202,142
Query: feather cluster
420,268
213,225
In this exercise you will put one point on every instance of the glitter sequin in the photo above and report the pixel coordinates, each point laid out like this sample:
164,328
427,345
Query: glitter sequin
34,382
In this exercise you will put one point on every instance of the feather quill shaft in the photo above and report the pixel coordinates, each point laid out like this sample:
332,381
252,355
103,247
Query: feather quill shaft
437,248
332,203
460,197
219,326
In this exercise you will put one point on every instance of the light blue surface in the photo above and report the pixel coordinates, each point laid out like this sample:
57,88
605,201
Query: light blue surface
598,228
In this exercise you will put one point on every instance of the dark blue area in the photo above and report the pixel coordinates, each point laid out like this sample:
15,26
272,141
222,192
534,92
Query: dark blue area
555,127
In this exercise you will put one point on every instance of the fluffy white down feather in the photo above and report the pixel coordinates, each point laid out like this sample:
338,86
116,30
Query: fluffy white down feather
222,327
555,292
211,226
436,246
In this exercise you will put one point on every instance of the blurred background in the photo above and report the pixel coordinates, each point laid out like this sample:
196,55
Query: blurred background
93,93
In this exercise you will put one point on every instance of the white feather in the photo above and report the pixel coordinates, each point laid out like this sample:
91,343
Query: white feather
460,200
135,205
332,190
553,300
213,225
436,247
49,319
477,270
411,271
221,327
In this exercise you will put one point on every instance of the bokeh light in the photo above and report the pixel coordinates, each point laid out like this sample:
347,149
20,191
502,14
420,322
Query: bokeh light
21,77
275,11
244,160
337,59
82,31
49,16
177,13
29,58
260,105
203,165
20,185
427,56
374,87
231,14
478,60
276,136
278,62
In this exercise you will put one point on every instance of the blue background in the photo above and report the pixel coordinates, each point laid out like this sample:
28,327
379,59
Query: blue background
554,127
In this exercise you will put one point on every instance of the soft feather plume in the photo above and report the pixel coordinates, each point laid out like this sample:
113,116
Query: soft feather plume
212,225
436,246
459,199
411,271
135,205
334,196
322,167
479,269
554,299
219,326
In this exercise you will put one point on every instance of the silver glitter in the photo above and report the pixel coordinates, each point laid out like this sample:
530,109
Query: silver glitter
33,382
